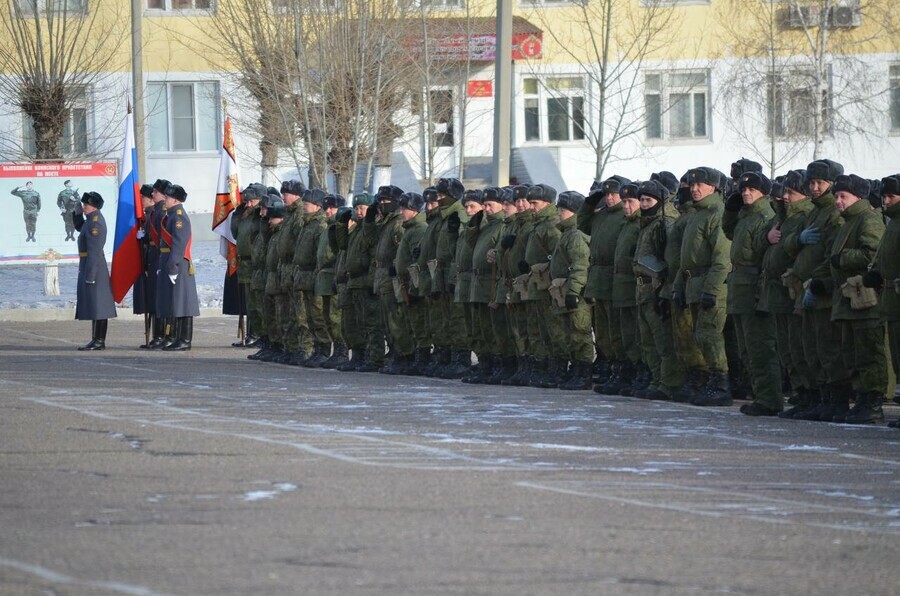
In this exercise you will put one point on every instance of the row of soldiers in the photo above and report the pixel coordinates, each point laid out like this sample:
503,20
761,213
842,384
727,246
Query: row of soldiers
699,289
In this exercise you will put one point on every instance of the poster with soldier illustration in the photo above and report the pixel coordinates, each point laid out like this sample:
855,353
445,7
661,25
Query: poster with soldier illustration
39,203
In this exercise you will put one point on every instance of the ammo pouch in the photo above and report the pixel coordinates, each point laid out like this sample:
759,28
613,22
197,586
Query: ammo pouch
520,285
792,283
860,296
539,278
558,292
414,274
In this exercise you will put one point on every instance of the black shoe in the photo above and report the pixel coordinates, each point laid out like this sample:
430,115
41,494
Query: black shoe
580,379
694,384
184,335
817,405
93,345
458,366
356,358
320,354
520,377
757,409
338,357
297,358
653,394
717,393
894,423
179,345
867,410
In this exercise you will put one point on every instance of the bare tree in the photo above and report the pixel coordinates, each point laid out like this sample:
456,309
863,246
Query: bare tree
801,73
52,53
612,43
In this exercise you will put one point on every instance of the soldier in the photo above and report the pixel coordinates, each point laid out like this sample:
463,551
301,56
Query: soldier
359,317
623,298
244,228
884,275
746,222
176,286
305,261
276,305
519,224
700,282
151,234
31,206
779,293
139,302
568,276
421,279
463,271
410,331
810,247
854,307
654,308
94,294
290,310
602,217
261,305
67,200
384,235
326,288
542,330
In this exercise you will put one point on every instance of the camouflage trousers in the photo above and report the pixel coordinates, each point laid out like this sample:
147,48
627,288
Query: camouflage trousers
757,338
822,348
607,334
709,323
789,338
863,349
658,350
575,341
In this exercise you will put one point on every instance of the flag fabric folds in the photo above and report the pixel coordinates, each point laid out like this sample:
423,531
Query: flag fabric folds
228,197
126,260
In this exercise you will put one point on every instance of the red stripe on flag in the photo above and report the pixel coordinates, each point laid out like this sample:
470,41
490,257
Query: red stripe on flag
124,274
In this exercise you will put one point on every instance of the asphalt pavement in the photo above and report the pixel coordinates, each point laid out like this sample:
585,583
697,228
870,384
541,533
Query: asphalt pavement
128,472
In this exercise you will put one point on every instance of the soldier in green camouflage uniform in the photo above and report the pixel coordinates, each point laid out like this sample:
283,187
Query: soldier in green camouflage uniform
410,333
462,295
325,287
601,217
426,252
276,301
518,227
361,316
746,222
810,247
862,330
294,331
339,239
700,282
67,200
568,276
31,206
261,306
317,340
244,229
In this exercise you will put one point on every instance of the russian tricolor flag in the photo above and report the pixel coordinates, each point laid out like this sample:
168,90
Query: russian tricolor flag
126,260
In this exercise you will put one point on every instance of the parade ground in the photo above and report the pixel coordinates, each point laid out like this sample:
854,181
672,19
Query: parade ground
128,472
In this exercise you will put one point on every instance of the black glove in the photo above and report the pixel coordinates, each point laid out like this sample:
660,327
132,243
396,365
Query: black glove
508,241
734,202
345,217
817,287
873,279
392,271
416,252
836,260
571,301
679,299
707,300
371,214
524,267
663,308
476,219
453,223
594,198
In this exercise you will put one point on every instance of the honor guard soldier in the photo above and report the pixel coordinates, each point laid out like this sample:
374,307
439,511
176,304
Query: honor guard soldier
139,301
67,200
176,284
152,229
95,299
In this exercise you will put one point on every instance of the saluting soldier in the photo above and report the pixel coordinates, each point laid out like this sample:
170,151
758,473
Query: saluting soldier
176,284
67,200
31,206
94,293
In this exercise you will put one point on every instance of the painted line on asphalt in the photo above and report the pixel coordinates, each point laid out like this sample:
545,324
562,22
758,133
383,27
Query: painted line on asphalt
55,577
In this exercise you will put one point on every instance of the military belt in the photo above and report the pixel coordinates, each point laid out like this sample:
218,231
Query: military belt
82,254
746,269
689,273
165,250
152,243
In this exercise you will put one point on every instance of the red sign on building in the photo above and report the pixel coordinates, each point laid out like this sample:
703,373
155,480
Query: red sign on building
480,88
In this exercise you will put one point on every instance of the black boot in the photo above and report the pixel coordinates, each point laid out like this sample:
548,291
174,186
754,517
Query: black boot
621,379
818,405
481,371
601,370
168,334
580,379
718,392
804,400
459,365
523,372
868,409
504,368
837,406
153,334
320,354
420,362
613,378
550,379
182,342
694,384
263,347
357,357
538,370
98,337
400,365
640,383
297,358
439,359
338,356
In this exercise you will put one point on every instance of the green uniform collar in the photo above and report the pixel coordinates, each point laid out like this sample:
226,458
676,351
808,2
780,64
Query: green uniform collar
498,216
418,219
547,212
710,201
567,224
826,200
803,206
893,211
860,206
761,204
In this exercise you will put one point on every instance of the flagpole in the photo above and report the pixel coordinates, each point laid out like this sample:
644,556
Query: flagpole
137,83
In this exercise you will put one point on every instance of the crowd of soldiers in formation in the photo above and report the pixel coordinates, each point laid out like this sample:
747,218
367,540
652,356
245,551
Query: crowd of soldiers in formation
703,289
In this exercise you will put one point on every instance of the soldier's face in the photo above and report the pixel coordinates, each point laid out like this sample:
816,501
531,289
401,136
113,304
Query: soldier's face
492,207
792,196
310,207
330,212
631,206
360,211
844,199
472,208
538,205
751,195
817,187
648,202
522,205
87,209
289,199
431,205
510,209
170,202
701,190
890,200
407,214
157,196
29,185
612,199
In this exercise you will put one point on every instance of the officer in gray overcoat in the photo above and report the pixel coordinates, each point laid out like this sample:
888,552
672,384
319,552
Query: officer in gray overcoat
95,299
176,284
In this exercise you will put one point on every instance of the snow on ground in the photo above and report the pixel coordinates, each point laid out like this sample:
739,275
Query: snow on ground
23,286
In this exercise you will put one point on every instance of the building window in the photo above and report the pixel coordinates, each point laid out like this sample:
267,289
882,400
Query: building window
442,117
308,6
179,4
554,109
676,105
183,116
60,7
792,102
895,97
74,139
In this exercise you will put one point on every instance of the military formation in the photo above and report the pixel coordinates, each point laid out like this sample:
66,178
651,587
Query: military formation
701,289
